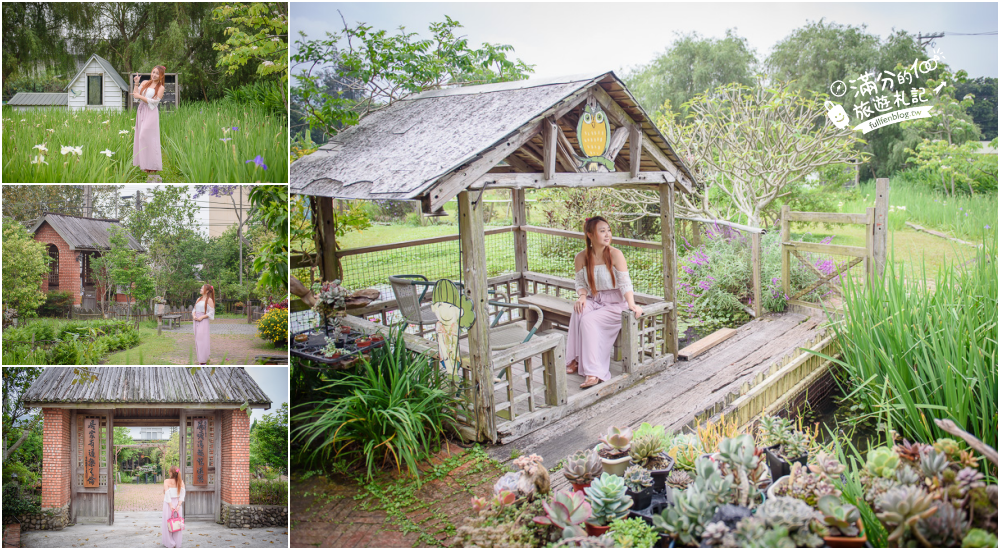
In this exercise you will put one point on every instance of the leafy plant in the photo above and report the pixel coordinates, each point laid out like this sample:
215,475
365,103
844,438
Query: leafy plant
618,439
607,499
637,478
687,518
267,492
805,486
841,518
803,524
273,326
645,447
567,511
632,533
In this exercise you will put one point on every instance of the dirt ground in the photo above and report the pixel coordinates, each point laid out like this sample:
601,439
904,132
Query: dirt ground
232,339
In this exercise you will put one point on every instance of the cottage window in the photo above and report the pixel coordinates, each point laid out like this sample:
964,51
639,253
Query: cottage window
95,90
54,267
88,274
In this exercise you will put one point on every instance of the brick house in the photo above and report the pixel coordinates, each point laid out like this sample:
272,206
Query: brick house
73,242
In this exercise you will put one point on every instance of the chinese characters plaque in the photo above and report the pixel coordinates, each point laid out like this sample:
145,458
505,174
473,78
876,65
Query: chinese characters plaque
91,446
200,451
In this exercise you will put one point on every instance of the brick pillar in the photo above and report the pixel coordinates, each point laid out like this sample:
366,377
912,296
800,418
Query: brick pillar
55,458
235,457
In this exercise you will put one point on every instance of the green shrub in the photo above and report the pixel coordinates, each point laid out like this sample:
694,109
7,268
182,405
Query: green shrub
17,503
57,304
632,533
267,94
264,492
392,410
62,343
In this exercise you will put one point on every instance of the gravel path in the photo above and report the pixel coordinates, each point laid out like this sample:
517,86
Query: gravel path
135,497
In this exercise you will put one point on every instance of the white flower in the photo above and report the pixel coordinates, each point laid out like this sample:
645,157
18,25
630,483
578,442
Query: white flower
275,40
253,47
70,149
41,148
38,160
901,207
22,120
268,63
106,121
123,132
107,152
225,130
49,130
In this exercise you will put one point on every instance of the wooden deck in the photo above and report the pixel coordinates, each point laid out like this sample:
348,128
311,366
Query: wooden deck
672,397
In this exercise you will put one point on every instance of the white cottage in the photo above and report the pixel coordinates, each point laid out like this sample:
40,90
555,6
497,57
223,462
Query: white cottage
97,86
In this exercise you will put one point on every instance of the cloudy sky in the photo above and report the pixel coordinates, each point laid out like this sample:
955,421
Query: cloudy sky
573,38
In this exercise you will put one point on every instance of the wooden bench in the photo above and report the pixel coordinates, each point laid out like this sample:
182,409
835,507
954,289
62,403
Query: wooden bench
169,319
558,310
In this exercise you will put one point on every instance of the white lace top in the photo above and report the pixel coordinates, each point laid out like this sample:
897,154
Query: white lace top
199,308
602,278
150,93
171,493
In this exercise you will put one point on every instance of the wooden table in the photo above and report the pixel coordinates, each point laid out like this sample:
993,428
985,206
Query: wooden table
171,318
555,309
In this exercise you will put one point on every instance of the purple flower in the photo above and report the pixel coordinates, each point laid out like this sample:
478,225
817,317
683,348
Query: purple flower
236,128
774,280
986,227
966,214
705,285
259,161
827,240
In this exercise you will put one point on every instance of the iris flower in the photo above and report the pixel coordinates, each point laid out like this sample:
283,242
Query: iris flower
259,161
107,152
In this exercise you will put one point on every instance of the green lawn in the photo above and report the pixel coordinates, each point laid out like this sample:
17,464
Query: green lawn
150,348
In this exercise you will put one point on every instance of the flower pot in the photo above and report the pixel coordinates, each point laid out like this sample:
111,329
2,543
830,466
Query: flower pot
640,500
616,466
579,486
301,338
363,343
597,530
660,475
377,339
774,486
849,542
665,541
779,466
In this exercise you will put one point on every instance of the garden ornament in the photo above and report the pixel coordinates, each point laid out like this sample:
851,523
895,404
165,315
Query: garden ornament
453,310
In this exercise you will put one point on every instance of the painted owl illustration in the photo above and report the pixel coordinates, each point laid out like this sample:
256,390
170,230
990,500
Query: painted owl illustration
594,134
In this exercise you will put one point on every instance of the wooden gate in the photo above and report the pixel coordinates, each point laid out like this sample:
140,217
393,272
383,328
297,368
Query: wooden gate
93,494
200,444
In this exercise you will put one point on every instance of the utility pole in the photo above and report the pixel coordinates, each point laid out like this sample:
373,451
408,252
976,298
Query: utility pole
925,39
88,199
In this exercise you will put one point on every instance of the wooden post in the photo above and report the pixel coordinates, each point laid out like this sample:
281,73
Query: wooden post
880,245
634,149
110,458
695,234
630,342
519,215
217,462
549,133
554,366
869,244
326,239
669,247
755,261
786,259
471,237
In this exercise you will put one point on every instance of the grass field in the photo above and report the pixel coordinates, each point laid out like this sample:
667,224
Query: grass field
201,142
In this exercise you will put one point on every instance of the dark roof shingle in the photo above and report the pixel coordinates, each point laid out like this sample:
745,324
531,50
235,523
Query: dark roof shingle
84,233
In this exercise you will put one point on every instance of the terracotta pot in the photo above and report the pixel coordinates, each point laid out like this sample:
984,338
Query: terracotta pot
849,542
578,486
597,530
345,330
363,343
301,337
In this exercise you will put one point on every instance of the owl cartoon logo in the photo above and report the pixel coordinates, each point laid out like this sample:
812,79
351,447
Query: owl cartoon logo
594,134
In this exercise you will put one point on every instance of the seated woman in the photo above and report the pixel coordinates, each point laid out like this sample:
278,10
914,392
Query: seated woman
605,291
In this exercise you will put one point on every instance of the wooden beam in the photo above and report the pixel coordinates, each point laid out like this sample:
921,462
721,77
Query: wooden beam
827,217
786,259
326,237
110,458
566,150
838,249
881,244
518,164
519,213
634,149
560,179
755,270
618,139
669,248
534,155
470,228
549,131
701,346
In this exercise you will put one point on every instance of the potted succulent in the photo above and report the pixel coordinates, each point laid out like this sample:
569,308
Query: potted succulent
804,485
783,445
844,523
567,511
647,451
363,342
685,521
639,486
614,452
331,300
583,467
608,502
330,351
740,460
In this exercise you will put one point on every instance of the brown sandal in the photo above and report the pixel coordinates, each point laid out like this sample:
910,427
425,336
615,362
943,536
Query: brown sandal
571,370
587,384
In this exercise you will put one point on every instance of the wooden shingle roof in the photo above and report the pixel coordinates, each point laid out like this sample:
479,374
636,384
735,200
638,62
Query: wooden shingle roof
404,150
83,233
147,385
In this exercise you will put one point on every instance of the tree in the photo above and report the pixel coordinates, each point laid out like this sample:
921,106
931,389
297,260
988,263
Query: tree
128,270
28,202
16,417
25,263
165,213
747,145
269,441
259,34
270,211
984,110
382,69
171,454
122,437
690,66
174,263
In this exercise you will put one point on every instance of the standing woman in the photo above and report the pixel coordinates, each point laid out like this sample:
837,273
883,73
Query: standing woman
173,498
204,309
146,146
604,291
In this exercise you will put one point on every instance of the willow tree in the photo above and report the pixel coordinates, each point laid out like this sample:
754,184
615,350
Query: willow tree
747,146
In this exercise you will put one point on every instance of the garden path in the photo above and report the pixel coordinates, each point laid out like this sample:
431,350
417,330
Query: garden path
674,396
136,497
232,339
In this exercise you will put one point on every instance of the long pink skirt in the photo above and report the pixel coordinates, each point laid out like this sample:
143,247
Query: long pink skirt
592,333
146,147
171,540
202,341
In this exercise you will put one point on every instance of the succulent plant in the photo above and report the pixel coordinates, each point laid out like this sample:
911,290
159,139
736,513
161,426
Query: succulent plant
841,518
685,454
968,479
967,459
686,519
743,465
754,533
805,486
503,498
902,508
646,428
507,482
603,541
876,486
637,478
479,504
775,430
949,447
910,451
714,534
583,466
803,524
945,528
933,462
645,447
566,511
708,480
979,538
632,533
607,499
827,466
679,479
906,475
618,439
882,462
796,445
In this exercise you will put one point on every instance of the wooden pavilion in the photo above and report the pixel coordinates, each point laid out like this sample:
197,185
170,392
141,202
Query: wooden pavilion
456,143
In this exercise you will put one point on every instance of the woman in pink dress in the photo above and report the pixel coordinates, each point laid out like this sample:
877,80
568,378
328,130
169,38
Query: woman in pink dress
146,145
604,291
173,500
204,309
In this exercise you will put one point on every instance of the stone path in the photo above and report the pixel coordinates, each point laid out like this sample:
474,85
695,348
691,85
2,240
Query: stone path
143,530
391,512
12,535
136,497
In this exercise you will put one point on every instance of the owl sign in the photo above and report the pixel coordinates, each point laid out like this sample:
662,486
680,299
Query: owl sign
594,134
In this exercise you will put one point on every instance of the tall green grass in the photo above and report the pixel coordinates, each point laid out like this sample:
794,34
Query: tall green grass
913,354
963,216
